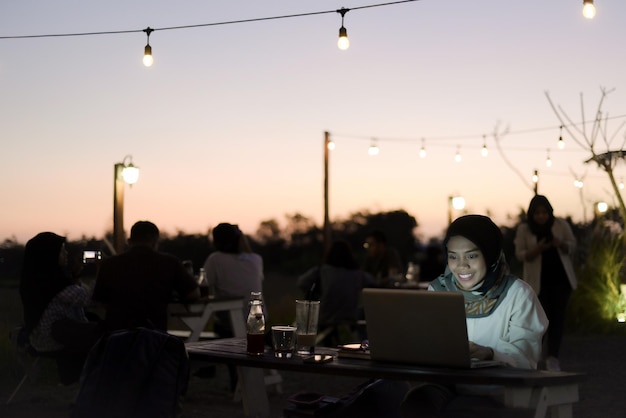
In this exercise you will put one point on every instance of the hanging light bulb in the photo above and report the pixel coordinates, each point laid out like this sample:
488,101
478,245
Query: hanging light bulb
457,157
589,10
578,184
373,149
561,143
343,43
548,159
423,150
484,151
331,145
148,60
621,184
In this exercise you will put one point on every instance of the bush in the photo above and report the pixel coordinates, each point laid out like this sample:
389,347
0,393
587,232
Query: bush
595,304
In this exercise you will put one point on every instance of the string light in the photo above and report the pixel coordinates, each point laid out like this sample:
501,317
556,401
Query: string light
458,157
343,43
331,145
621,184
148,60
423,150
578,184
484,151
561,143
548,159
589,10
373,149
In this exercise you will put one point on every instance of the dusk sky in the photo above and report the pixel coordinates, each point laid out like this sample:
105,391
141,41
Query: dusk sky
228,124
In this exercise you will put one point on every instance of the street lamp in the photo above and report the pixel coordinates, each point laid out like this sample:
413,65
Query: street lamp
456,203
124,172
327,230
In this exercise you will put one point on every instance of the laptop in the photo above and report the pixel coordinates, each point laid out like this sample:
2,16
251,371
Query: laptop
419,328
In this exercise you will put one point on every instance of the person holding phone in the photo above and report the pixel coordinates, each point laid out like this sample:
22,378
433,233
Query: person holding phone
545,244
54,303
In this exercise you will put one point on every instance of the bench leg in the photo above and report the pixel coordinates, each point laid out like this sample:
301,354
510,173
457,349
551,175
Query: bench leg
19,385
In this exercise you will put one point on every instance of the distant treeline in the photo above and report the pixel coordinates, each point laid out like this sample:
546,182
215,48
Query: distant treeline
291,249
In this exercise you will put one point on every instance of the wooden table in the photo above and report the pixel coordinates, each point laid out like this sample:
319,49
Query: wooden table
533,389
196,315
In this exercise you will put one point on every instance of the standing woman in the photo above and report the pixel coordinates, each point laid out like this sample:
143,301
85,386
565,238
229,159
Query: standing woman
545,244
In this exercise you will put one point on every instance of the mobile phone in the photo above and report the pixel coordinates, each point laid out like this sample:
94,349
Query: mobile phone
91,256
318,358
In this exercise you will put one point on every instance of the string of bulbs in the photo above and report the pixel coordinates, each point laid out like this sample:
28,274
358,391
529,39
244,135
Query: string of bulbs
343,43
374,150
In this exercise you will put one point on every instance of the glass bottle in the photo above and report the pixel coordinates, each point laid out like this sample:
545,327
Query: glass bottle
255,326
203,283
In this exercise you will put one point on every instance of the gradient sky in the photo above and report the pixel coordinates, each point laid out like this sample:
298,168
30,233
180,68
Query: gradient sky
228,124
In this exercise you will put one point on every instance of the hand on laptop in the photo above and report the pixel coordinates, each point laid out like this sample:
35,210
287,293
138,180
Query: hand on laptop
480,352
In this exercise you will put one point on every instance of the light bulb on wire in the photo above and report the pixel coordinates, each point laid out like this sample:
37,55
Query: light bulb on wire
423,150
548,159
373,149
458,157
148,60
589,10
484,151
343,42
331,145
561,142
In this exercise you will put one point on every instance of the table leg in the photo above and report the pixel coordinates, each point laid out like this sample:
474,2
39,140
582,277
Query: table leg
253,392
558,399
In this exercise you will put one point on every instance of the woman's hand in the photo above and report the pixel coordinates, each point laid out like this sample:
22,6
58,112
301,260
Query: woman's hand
480,352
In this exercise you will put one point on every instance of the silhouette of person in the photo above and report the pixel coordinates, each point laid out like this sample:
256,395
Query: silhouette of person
381,261
136,286
544,243
339,281
54,303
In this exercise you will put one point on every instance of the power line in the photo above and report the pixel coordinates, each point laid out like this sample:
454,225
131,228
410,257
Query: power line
230,22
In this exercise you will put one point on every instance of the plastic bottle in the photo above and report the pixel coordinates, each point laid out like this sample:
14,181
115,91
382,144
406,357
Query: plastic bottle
255,326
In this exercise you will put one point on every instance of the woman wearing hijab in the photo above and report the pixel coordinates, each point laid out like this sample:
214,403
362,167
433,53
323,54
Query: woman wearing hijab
544,244
53,303
505,321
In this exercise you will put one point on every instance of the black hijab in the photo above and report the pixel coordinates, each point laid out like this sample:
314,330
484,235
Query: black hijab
488,238
486,235
545,230
42,276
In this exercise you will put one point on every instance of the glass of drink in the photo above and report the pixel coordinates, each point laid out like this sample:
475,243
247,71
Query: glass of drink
283,340
307,313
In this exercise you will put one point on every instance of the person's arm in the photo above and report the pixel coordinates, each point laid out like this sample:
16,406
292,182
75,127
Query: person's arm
306,280
523,250
526,323
73,295
480,352
564,239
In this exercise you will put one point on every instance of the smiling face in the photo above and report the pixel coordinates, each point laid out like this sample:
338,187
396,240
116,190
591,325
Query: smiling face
466,262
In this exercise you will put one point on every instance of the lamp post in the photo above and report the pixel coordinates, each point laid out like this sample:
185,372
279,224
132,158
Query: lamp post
327,231
454,202
124,172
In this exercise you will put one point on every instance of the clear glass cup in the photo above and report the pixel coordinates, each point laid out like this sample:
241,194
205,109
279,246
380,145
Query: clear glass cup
307,313
283,340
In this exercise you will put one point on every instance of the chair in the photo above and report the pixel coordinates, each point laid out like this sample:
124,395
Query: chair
27,357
